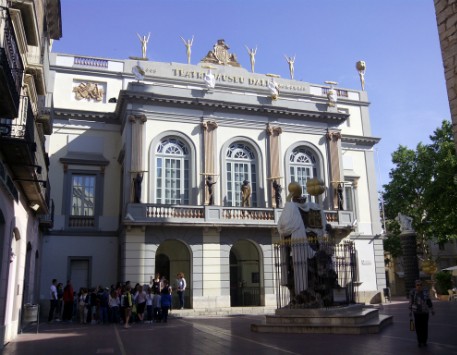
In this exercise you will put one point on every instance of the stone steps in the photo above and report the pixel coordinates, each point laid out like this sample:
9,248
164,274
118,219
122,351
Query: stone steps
346,320
221,312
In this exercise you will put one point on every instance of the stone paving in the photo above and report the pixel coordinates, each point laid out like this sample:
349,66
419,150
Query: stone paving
232,335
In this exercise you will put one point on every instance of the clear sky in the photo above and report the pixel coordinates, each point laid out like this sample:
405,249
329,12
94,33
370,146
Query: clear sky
398,40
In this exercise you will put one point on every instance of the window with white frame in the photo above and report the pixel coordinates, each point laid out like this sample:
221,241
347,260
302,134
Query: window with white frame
241,164
303,166
83,195
172,172
349,198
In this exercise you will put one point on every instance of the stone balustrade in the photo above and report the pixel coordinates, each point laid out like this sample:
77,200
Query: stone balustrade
150,214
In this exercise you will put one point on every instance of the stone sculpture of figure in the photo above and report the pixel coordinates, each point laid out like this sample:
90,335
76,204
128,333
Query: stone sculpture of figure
188,45
339,191
361,67
295,252
252,52
332,97
274,89
406,222
291,61
209,184
137,187
278,190
210,80
245,194
144,43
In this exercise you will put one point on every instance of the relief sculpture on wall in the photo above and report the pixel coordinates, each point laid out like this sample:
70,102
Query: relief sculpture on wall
88,91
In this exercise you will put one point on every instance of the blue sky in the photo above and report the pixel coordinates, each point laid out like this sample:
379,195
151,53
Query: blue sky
398,39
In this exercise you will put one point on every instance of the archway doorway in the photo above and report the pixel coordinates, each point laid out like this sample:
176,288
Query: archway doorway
245,276
173,256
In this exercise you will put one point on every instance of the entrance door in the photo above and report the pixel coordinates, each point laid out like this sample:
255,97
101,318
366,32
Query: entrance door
245,280
79,273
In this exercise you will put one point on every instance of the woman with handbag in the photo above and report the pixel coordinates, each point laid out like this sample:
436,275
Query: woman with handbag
420,305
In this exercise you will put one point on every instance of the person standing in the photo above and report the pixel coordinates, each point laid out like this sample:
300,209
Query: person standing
181,287
128,304
165,300
68,300
53,300
420,305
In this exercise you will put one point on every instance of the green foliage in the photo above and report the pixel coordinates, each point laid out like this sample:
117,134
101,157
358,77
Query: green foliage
423,186
443,282
392,243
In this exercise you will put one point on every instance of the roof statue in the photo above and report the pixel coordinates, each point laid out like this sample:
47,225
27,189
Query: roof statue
220,55
188,43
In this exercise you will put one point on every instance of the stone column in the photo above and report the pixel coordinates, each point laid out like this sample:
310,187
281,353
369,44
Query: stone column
137,150
273,133
209,150
334,151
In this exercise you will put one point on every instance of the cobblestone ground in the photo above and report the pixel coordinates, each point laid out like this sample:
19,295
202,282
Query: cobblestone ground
232,335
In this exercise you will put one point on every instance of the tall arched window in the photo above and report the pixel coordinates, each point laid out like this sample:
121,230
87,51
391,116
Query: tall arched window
241,165
302,166
172,172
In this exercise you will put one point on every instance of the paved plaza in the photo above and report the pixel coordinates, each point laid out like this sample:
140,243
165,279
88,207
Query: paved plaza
232,335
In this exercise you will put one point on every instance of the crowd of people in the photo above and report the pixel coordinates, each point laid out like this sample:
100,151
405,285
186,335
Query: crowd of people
120,304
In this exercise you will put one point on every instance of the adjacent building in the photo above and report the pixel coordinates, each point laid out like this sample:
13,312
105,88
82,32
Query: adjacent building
148,160
27,29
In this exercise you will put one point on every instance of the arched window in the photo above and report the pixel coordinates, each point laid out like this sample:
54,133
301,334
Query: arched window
303,166
241,164
172,172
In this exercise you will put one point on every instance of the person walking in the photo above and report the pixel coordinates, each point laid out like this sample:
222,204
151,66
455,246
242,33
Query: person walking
53,300
420,305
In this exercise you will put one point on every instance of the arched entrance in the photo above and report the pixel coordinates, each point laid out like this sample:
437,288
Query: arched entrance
245,275
173,256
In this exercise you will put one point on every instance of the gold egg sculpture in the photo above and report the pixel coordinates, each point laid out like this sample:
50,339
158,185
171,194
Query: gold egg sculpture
315,186
295,191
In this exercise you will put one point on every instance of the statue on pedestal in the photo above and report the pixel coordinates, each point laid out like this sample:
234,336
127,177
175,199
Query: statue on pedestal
245,194
144,43
188,45
278,190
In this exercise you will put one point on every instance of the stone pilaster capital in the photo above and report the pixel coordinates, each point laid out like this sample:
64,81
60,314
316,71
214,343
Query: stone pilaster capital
273,130
209,125
134,118
333,136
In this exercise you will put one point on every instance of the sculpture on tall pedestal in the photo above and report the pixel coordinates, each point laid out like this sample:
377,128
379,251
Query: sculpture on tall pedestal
306,260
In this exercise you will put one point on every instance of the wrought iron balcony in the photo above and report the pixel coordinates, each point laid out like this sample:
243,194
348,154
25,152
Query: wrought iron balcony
218,216
23,148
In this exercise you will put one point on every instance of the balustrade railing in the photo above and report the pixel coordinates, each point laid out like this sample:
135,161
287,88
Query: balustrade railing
81,222
150,213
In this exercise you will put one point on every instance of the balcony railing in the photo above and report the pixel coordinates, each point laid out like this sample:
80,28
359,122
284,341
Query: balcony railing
150,214
13,57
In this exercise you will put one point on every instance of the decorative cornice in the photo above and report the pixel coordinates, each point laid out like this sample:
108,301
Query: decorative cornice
259,109
360,140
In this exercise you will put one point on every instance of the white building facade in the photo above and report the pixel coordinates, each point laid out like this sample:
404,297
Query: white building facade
27,29
131,154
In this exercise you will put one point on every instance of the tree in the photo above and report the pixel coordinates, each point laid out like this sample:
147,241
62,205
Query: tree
423,186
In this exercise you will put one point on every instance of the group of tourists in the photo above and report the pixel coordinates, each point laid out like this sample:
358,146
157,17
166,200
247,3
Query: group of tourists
120,304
